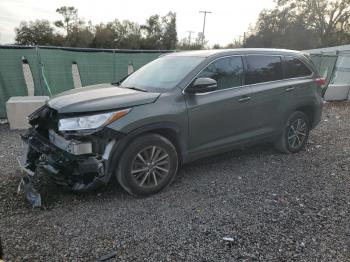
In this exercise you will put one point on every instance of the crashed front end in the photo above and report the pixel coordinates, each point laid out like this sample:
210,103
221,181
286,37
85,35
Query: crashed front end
74,157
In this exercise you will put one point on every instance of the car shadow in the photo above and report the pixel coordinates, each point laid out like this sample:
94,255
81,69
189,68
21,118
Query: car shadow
54,195
237,154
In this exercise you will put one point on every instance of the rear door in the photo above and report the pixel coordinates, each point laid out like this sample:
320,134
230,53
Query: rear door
299,77
264,75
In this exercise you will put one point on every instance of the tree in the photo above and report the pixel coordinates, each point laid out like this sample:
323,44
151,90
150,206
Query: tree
169,40
39,32
127,34
281,29
152,33
116,34
200,40
196,45
159,32
184,45
302,24
104,36
77,34
70,18
80,37
235,44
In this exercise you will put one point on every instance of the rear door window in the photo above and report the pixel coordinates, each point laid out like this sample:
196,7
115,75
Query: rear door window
227,71
296,68
263,68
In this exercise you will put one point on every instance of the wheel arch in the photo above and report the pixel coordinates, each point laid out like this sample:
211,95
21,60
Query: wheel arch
169,130
309,110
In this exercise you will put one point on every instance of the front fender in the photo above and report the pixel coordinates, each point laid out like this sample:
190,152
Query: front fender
159,127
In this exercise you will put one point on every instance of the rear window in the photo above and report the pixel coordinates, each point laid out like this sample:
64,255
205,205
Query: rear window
296,68
262,68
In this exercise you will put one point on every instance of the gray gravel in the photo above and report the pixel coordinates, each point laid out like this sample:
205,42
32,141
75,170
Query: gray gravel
270,206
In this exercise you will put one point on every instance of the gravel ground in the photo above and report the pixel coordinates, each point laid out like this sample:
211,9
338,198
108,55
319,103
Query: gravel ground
274,207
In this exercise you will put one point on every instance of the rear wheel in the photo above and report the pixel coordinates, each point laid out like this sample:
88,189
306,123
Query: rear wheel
148,165
295,133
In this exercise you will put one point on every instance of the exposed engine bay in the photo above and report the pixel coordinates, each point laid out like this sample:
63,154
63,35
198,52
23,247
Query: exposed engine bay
75,159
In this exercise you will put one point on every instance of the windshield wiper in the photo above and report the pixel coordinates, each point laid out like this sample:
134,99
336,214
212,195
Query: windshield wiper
134,88
120,81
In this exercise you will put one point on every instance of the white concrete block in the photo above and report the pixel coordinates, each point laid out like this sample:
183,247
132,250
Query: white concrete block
18,108
337,92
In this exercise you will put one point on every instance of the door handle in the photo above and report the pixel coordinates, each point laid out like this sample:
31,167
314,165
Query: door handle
291,88
244,99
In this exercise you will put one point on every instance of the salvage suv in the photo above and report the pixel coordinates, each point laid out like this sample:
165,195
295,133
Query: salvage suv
178,108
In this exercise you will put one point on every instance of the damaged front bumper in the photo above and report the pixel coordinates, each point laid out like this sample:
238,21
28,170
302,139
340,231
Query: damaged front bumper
78,165
26,184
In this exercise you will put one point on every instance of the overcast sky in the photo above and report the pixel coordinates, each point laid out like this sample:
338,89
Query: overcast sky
229,18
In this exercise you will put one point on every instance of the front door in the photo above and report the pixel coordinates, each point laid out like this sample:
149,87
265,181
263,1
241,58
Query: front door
217,119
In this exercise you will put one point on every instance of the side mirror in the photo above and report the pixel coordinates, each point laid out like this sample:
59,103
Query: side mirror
202,85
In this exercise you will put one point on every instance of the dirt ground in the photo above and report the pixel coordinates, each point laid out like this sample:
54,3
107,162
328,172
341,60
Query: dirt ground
271,206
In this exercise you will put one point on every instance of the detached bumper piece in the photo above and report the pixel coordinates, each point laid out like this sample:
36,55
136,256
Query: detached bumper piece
30,192
26,184
78,172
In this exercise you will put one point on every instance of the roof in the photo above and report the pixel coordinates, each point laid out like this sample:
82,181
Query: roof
330,50
220,52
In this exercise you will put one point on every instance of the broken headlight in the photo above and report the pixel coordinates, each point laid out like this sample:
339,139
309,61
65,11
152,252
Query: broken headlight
91,121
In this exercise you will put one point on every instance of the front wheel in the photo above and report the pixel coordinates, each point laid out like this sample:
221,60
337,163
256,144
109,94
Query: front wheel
295,133
148,164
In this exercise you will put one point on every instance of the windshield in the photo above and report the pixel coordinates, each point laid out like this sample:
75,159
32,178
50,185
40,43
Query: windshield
162,74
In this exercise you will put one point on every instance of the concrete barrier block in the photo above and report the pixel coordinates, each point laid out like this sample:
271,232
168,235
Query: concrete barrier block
18,108
337,92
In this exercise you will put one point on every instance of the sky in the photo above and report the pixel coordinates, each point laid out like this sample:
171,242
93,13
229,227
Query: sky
228,21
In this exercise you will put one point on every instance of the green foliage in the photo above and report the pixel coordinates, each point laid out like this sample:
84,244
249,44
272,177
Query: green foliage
126,34
217,46
169,37
80,37
234,44
70,19
302,24
77,34
186,44
39,32
157,33
104,36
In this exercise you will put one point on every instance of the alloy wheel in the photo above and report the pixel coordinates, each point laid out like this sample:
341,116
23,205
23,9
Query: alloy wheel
150,166
297,133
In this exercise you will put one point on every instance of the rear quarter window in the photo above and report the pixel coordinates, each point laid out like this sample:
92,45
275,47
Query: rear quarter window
263,68
296,68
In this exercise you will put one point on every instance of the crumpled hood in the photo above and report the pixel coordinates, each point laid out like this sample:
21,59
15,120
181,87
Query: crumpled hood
98,98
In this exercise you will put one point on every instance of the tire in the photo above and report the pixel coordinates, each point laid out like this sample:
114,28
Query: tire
292,142
147,165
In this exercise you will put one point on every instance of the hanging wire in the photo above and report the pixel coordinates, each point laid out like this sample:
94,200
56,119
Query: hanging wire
45,80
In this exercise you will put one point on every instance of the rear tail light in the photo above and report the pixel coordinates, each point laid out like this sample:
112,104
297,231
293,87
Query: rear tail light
320,82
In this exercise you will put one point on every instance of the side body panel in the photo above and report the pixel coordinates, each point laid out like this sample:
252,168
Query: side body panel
219,121
167,112
271,103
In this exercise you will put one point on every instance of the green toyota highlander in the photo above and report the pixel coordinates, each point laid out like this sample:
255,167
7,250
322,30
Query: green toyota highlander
178,108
